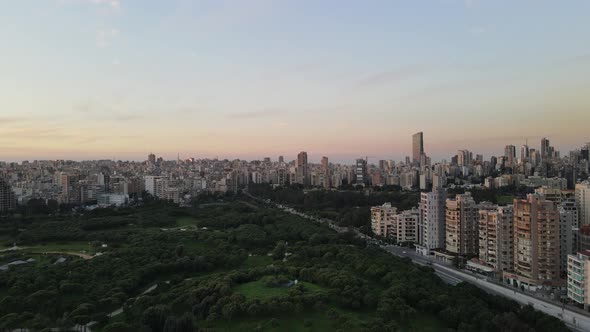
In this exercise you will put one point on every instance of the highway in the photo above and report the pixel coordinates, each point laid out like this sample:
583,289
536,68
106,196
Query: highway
574,320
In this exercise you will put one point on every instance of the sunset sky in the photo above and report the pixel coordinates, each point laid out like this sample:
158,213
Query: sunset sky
97,79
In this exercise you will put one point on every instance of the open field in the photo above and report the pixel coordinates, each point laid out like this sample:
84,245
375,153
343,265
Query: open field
505,200
257,290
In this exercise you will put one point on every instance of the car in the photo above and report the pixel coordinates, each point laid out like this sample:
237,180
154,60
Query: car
403,252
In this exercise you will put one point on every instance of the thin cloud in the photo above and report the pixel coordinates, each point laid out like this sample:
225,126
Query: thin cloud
129,117
256,114
112,4
394,76
10,120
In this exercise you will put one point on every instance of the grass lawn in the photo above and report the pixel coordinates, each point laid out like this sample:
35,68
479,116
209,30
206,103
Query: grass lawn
504,200
256,261
257,290
186,221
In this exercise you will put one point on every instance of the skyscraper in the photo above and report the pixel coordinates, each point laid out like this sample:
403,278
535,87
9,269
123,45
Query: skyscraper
417,146
302,171
510,154
536,241
545,149
325,172
524,153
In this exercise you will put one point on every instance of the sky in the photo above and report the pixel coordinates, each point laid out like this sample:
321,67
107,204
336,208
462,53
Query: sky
102,79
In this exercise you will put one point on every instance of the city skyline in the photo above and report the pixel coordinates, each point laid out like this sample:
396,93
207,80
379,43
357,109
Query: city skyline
319,159
120,78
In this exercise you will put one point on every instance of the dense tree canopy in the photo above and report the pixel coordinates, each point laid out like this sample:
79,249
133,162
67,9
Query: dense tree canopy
217,265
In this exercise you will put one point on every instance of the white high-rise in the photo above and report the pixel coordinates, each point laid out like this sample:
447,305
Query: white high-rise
431,223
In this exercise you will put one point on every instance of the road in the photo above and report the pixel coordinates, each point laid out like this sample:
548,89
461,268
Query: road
573,320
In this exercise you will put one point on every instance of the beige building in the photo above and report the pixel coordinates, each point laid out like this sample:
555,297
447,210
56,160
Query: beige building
496,235
582,193
407,226
462,225
383,220
302,169
536,241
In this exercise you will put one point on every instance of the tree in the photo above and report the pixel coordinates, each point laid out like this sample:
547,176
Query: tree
179,250
279,251
155,317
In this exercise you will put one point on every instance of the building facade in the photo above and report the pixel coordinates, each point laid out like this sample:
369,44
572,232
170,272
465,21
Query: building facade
582,192
536,241
383,220
462,225
7,197
578,278
431,219
417,147
407,226
496,236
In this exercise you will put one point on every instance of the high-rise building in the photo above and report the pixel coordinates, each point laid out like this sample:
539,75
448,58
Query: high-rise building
524,153
463,158
578,278
325,172
545,149
361,172
7,198
536,241
64,183
151,159
568,229
431,222
462,225
510,154
302,169
151,184
281,159
582,192
417,146
496,238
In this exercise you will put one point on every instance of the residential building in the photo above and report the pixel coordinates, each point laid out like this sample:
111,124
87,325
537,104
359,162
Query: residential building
7,197
302,169
383,222
536,242
496,238
578,278
407,226
431,222
568,231
361,172
582,192
462,225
